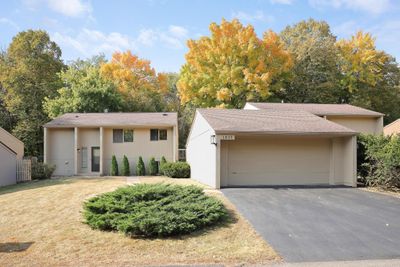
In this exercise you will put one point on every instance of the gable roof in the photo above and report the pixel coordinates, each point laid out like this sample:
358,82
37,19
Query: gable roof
319,109
270,122
137,119
11,143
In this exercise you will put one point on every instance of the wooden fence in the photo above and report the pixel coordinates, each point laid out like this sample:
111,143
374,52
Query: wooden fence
24,170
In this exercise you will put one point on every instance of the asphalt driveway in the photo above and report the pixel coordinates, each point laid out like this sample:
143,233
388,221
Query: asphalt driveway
322,224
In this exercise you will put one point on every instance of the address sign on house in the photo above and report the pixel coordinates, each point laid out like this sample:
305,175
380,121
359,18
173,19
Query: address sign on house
227,137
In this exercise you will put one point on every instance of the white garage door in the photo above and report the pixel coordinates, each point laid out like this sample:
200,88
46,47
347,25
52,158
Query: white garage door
275,161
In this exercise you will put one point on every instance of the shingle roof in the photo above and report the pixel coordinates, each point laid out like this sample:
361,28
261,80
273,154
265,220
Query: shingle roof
114,119
319,109
270,122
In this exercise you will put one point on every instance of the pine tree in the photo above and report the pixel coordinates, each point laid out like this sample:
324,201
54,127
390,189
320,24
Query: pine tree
114,166
125,167
140,168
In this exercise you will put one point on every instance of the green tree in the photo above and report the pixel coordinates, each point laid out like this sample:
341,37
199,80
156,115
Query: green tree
153,168
314,77
84,90
114,166
125,167
28,74
140,168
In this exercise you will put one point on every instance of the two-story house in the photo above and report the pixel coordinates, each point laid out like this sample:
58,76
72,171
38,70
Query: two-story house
84,143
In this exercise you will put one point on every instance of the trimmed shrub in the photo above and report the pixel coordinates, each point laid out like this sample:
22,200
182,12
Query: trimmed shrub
154,210
176,169
125,167
162,162
114,166
382,160
40,170
153,167
140,168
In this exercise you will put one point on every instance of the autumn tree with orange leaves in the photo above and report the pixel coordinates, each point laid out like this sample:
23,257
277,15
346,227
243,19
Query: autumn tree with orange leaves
231,66
142,88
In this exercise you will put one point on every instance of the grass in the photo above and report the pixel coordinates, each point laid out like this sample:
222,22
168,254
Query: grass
41,225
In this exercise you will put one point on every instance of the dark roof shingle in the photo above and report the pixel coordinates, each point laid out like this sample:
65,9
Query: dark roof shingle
319,109
270,122
114,119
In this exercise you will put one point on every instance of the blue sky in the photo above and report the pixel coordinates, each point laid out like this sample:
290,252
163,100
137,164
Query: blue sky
158,30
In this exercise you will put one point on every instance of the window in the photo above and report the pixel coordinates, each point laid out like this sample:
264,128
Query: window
158,134
117,135
122,136
128,136
153,134
84,157
163,134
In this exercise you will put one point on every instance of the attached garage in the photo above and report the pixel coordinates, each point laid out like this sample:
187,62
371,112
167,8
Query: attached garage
259,148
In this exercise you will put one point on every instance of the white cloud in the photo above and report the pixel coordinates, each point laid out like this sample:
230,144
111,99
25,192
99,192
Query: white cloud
257,16
90,42
282,2
9,23
178,31
173,38
69,8
371,6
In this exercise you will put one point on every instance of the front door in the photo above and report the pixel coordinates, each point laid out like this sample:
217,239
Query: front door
95,159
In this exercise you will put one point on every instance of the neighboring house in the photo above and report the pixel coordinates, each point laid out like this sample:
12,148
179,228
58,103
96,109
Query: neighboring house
392,128
358,119
228,147
84,143
11,150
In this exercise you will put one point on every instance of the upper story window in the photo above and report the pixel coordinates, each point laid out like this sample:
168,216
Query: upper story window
158,134
122,136
128,136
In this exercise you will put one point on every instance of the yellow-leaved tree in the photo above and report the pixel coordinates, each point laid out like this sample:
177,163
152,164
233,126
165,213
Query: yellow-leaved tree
231,66
361,63
142,88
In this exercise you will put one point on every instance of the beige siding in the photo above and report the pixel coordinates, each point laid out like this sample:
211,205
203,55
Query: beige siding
366,125
392,129
275,161
8,166
60,150
12,142
141,146
201,154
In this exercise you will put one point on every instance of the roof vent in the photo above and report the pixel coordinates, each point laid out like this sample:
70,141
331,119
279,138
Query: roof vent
76,116
165,114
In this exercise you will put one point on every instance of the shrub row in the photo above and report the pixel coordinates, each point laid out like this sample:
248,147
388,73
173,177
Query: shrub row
379,160
154,210
171,169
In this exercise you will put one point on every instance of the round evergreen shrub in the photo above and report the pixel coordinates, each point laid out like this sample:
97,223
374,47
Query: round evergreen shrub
114,166
140,168
176,169
154,210
125,167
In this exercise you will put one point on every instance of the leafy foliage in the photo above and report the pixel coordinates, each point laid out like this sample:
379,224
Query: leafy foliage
140,85
314,77
382,160
162,162
28,74
176,169
231,67
125,167
140,168
154,210
40,170
153,167
85,90
114,166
